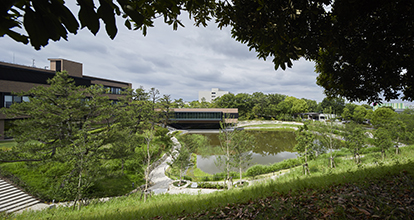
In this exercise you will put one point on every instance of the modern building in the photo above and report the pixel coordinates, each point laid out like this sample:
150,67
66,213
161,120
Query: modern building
209,96
19,78
203,118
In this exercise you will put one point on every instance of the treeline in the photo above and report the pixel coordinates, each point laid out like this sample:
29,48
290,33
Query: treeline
266,106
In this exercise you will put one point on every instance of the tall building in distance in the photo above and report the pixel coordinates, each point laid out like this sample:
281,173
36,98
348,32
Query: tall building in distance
209,96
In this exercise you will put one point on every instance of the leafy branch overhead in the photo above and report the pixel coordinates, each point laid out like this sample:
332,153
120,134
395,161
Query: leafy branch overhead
362,49
52,20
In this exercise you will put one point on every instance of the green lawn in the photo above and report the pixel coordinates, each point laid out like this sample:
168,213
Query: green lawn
8,144
321,195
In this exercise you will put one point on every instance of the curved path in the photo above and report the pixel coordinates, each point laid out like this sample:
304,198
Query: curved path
163,184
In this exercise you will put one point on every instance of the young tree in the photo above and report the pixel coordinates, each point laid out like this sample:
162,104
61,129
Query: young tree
382,140
189,144
326,134
355,139
397,130
305,146
57,127
233,144
242,153
148,136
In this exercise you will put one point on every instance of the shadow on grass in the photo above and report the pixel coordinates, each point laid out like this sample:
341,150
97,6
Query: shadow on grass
171,206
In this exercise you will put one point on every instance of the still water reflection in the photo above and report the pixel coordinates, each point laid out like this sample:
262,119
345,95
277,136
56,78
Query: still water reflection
270,147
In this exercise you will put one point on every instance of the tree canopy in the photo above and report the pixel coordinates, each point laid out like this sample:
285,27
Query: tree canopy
362,49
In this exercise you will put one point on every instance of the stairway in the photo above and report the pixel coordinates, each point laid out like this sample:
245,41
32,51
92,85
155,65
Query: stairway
13,199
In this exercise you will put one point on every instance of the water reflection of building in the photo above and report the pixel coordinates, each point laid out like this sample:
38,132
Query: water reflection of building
203,118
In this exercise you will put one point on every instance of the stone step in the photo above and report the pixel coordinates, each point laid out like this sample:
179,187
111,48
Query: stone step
5,188
19,205
27,205
10,191
11,195
13,198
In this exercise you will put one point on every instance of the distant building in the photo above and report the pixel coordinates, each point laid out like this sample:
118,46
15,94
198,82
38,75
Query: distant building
203,118
398,107
211,95
19,78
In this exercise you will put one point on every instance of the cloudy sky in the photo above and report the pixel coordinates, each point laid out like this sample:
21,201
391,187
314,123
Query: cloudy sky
179,63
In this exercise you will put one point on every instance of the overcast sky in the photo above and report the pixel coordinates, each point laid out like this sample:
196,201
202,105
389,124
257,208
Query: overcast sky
179,63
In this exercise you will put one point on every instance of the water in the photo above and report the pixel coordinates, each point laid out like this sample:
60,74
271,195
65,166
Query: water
271,147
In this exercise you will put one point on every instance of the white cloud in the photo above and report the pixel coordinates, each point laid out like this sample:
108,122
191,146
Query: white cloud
179,63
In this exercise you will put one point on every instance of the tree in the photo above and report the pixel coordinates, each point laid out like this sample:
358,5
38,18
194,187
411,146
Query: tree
359,114
355,139
346,115
148,136
335,104
57,128
361,48
305,146
382,116
178,103
382,140
397,130
189,143
166,112
326,134
233,144
242,153
52,20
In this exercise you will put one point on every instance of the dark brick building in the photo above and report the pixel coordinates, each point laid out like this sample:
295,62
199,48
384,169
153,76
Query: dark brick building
18,78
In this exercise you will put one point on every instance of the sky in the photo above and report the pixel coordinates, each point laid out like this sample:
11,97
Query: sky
178,63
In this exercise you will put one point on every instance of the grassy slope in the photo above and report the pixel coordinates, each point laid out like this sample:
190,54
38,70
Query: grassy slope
324,183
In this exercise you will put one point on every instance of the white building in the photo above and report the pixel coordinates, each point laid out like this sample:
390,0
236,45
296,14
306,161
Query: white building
211,95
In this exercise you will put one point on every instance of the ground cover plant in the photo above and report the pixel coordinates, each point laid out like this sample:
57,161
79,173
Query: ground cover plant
350,190
7,145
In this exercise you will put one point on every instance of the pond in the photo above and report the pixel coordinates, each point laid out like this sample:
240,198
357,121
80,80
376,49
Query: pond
271,147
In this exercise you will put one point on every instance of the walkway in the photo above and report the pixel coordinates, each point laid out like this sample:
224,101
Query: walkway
163,184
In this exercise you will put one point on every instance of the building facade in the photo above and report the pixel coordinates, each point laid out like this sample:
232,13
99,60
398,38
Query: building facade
19,78
398,107
203,118
209,96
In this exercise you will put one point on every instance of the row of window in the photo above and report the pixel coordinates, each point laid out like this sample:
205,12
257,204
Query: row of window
198,115
114,90
10,99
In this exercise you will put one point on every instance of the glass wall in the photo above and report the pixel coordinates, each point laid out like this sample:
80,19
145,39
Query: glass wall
198,115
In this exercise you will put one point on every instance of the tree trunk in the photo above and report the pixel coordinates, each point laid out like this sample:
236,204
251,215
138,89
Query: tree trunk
240,170
332,162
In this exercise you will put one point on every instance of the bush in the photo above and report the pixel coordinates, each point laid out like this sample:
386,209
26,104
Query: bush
210,186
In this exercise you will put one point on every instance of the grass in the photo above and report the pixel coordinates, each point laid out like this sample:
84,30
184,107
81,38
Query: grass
172,206
167,206
7,145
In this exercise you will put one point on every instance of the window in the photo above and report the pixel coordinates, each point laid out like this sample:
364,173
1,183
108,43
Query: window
58,66
213,93
10,99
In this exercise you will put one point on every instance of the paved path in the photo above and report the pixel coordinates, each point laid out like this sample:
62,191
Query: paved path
163,184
